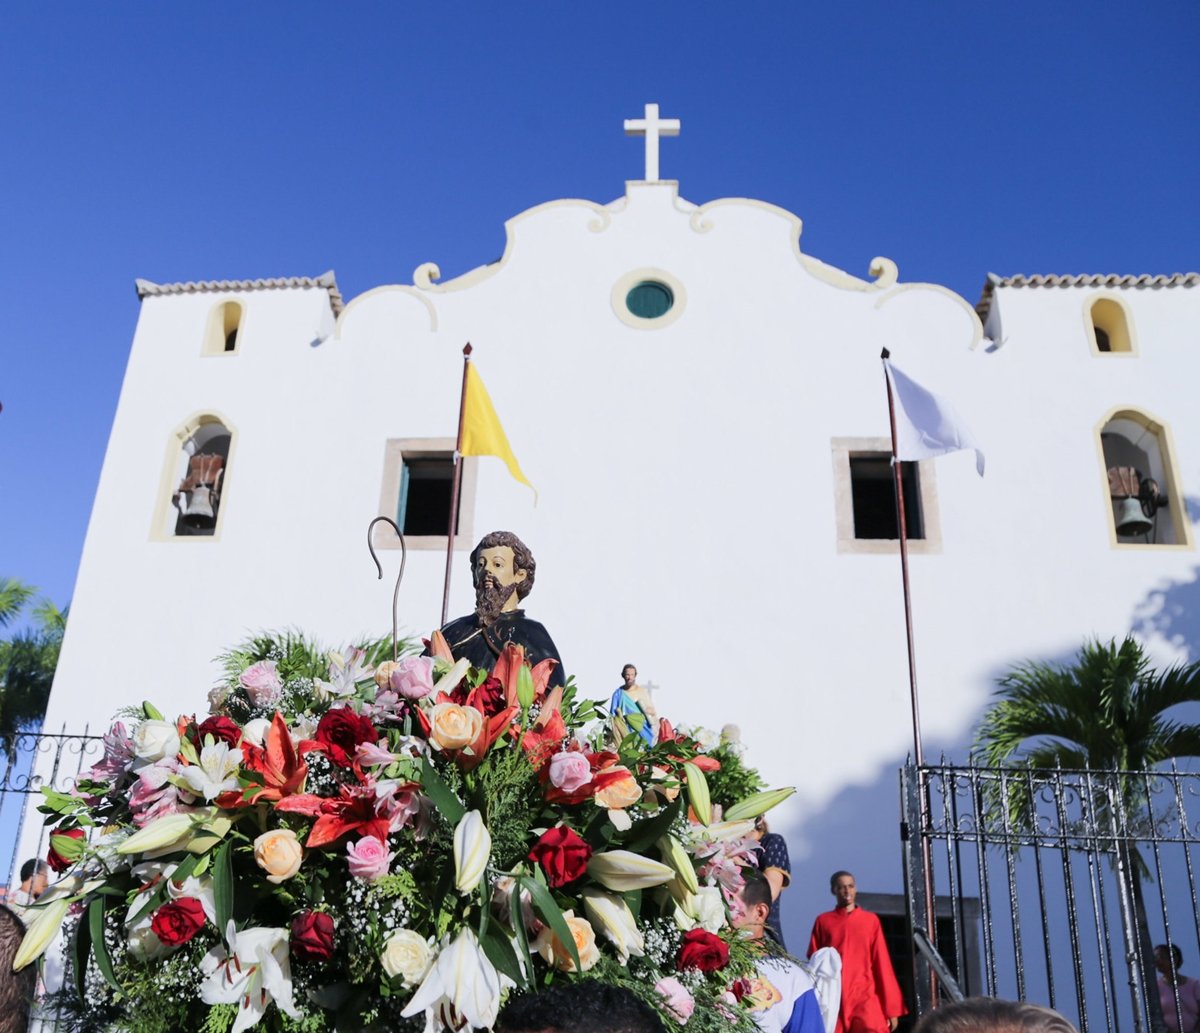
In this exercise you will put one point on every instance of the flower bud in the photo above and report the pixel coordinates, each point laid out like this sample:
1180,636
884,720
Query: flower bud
162,832
472,849
697,787
623,870
757,803
611,915
673,854
41,931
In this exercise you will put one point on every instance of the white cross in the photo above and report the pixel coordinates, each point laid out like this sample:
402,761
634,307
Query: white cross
651,127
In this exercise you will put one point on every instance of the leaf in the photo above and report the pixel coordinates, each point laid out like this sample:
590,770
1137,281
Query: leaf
441,794
82,948
544,905
223,886
99,948
500,952
646,833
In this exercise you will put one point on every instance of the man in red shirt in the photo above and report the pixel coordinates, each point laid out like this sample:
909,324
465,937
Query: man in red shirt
871,1000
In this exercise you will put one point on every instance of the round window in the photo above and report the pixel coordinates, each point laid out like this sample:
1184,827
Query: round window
650,299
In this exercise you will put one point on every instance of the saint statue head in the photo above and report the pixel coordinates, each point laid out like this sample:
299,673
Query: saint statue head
502,570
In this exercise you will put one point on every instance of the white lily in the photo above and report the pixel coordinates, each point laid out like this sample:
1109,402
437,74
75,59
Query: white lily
472,849
216,773
611,915
449,681
463,978
251,971
623,870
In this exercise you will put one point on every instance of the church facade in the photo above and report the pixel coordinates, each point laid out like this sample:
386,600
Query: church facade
702,409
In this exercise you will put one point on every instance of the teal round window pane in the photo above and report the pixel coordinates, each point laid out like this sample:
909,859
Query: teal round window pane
650,299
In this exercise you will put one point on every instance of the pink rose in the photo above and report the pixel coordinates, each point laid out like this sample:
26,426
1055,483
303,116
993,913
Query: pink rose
412,677
261,682
569,771
679,1002
369,858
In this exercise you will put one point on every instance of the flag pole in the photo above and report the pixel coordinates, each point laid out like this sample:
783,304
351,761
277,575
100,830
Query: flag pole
454,490
918,749
902,523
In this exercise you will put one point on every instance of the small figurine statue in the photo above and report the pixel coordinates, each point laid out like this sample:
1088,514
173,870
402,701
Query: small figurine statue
502,569
632,698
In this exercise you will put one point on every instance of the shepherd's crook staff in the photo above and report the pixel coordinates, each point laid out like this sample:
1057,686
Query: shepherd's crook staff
918,750
453,529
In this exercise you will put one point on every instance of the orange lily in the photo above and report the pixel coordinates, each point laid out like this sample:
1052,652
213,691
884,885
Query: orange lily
283,770
439,647
508,667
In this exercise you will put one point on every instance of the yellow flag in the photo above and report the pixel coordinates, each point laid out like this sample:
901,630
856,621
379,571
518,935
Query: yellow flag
482,433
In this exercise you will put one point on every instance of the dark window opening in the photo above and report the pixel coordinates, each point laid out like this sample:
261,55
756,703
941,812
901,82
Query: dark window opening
873,490
231,340
1103,342
426,484
650,299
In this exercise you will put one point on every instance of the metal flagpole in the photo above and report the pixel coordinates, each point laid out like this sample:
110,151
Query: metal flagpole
453,522
918,749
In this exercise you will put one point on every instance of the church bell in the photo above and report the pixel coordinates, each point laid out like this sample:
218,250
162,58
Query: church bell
199,509
1130,518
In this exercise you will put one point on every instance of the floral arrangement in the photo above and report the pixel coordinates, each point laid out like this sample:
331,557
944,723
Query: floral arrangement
394,846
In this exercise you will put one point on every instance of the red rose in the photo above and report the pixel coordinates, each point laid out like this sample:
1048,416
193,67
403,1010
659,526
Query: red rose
222,729
179,921
562,854
61,861
312,936
702,950
490,698
340,731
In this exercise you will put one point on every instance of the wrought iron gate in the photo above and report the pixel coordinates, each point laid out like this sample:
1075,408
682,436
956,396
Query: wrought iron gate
1078,874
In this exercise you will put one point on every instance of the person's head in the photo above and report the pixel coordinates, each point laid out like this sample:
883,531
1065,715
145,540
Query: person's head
991,1015
35,874
587,1006
756,903
841,885
500,565
761,828
629,675
1168,959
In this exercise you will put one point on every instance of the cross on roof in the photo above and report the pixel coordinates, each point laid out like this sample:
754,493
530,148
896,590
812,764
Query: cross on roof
651,127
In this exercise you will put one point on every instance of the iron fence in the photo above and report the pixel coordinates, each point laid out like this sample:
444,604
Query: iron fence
1078,875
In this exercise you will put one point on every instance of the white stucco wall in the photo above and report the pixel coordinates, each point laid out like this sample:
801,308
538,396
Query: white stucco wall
687,518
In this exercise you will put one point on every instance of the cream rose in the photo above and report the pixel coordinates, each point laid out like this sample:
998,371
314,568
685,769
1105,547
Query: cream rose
383,673
554,951
279,854
621,793
154,740
407,955
452,727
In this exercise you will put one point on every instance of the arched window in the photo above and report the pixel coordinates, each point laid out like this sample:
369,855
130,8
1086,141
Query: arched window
1143,488
197,475
224,327
1110,327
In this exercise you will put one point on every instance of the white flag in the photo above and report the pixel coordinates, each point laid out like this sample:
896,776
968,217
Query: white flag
926,425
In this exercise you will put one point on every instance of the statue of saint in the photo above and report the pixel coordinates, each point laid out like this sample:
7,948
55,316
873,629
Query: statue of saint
502,569
632,698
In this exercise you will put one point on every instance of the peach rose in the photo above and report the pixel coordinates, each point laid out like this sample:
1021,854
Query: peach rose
555,953
620,793
279,854
383,673
452,727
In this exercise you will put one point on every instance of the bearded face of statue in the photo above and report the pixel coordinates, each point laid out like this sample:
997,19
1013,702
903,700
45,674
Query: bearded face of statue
496,583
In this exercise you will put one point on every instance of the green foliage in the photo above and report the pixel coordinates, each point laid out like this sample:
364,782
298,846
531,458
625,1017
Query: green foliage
28,660
735,780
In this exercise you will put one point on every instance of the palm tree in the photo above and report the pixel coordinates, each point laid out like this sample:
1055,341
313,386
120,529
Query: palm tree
28,659
1108,712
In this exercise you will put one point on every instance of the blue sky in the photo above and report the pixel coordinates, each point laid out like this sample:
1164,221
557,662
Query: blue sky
225,140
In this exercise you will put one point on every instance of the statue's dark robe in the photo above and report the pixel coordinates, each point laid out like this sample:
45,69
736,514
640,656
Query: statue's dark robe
483,646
